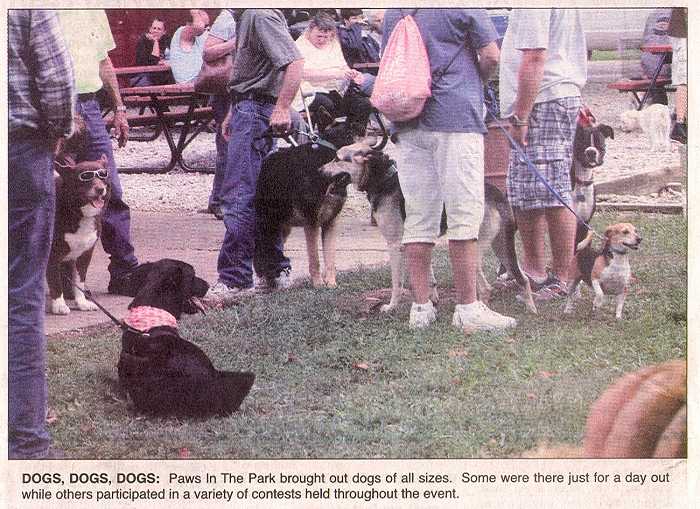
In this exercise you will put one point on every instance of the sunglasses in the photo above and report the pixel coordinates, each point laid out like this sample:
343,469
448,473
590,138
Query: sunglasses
88,175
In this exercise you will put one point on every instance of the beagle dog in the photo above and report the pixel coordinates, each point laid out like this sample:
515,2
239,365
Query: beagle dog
607,271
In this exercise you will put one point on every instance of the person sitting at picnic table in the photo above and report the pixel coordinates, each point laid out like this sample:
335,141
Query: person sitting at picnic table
151,50
187,46
358,46
328,76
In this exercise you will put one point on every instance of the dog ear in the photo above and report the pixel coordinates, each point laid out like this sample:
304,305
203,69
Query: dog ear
103,160
606,131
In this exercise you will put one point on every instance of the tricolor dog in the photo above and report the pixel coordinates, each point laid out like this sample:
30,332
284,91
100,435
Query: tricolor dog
163,373
305,186
82,192
376,174
606,271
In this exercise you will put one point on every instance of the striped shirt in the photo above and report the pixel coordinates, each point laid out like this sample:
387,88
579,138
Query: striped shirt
40,88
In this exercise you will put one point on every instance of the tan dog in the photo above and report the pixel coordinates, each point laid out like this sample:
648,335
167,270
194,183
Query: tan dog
607,271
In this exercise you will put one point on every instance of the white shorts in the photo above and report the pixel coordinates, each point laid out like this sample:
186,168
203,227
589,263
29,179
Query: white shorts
679,67
437,168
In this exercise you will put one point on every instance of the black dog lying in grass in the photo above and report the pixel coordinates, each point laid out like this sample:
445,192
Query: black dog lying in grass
163,373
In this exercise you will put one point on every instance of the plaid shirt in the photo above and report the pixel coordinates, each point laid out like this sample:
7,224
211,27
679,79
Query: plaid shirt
40,88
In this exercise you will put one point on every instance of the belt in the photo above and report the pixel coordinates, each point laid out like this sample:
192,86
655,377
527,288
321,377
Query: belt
253,96
86,97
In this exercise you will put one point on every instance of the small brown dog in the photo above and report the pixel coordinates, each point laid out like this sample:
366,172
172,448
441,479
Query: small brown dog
607,271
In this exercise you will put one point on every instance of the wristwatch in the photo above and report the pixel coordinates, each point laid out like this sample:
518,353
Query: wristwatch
120,108
517,121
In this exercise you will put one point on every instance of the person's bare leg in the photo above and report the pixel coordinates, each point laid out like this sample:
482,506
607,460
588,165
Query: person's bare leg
561,224
532,226
464,256
681,103
418,257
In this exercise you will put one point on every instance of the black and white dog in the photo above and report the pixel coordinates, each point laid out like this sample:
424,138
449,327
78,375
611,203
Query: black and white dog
589,153
163,373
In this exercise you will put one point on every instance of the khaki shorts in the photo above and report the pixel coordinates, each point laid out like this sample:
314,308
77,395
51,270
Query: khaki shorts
679,67
437,168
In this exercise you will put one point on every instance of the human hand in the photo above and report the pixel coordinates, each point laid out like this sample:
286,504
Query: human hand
121,127
280,120
225,131
519,134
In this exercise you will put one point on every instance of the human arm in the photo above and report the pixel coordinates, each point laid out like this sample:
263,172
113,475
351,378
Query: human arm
488,60
111,86
215,48
530,76
280,120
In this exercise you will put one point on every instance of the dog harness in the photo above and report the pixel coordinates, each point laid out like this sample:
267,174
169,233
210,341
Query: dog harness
145,318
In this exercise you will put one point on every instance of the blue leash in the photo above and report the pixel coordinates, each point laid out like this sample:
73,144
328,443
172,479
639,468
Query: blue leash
491,109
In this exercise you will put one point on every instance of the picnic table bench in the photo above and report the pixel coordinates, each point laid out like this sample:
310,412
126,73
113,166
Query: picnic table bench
188,112
635,86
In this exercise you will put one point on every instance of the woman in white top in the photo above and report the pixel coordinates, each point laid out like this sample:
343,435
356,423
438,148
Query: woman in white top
328,76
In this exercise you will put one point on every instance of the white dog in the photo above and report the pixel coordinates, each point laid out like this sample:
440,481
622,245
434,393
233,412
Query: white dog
654,121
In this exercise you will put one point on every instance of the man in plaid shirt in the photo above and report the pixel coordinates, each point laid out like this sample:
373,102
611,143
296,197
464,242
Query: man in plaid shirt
40,103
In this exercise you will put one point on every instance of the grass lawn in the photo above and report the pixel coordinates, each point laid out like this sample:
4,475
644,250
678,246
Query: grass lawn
627,54
336,381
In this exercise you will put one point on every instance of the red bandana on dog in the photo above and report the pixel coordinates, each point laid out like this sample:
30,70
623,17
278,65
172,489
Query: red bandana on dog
144,318
585,117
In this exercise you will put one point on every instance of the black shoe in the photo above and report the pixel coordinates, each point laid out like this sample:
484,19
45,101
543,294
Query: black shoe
679,133
216,210
128,283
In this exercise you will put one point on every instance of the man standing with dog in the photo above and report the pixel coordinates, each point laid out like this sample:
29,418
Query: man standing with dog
89,39
542,72
40,107
440,157
266,76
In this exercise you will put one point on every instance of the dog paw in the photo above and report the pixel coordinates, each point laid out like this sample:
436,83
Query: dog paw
86,305
387,308
331,284
59,307
317,283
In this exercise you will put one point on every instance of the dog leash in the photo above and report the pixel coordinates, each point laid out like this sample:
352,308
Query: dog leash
524,158
120,323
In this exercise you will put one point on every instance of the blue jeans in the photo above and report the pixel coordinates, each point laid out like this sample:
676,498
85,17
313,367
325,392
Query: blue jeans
116,219
31,205
220,105
242,242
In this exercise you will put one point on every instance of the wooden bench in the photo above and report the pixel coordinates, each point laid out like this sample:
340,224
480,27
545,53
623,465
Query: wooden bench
642,85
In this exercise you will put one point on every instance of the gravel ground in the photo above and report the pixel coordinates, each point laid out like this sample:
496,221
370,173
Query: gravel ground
627,154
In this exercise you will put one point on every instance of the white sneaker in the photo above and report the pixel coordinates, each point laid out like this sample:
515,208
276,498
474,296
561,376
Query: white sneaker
479,317
421,315
220,294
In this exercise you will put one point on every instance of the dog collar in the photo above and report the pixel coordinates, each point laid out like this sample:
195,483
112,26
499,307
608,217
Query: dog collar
324,143
144,318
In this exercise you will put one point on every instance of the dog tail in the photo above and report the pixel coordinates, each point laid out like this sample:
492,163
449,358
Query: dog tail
585,242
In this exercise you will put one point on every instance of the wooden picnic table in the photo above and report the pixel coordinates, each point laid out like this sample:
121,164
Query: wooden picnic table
141,69
194,119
